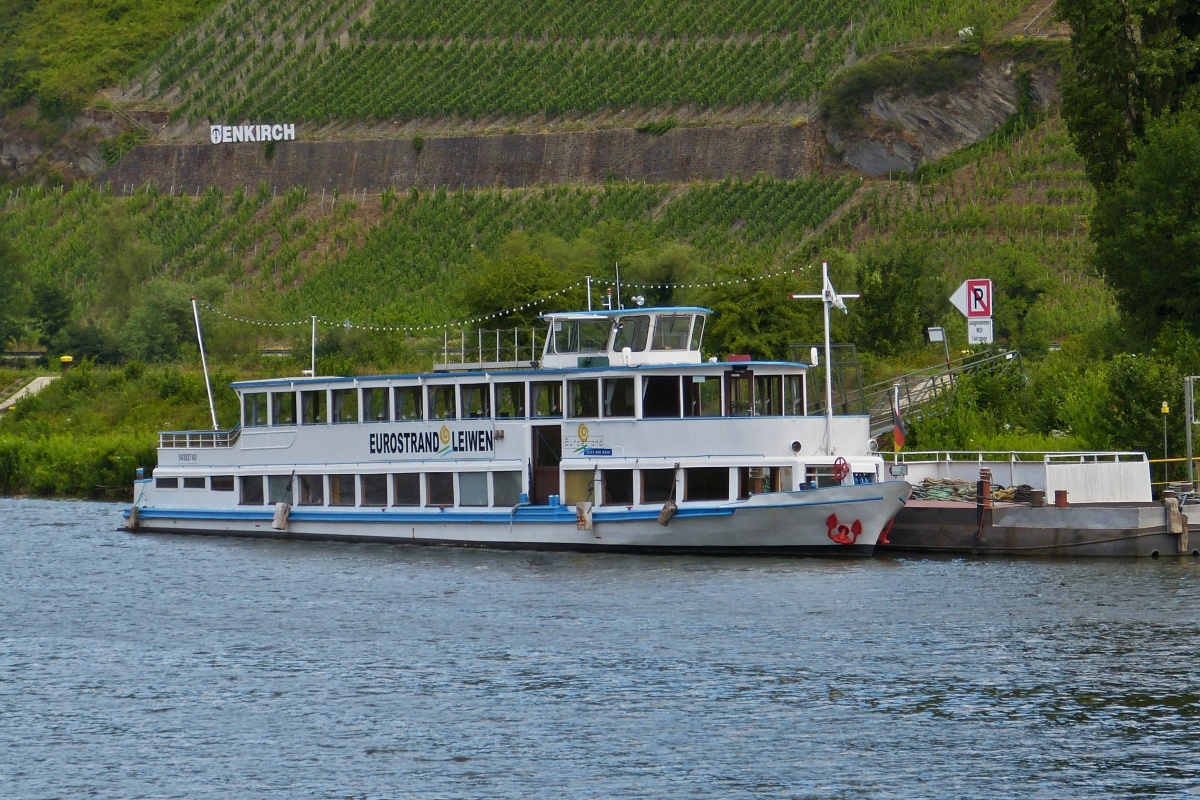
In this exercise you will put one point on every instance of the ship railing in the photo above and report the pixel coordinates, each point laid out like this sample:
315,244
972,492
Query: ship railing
480,349
198,440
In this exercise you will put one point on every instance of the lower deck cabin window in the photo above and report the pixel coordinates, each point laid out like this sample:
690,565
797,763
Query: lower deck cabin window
706,483
252,490
222,483
506,488
406,489
761,480
166,483
820,476
657,485
341,490
193,483
472,489
279,489
618,487
439,488
374,490
312,490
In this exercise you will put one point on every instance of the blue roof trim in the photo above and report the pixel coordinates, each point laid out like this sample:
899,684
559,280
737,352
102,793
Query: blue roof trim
624,312
498,375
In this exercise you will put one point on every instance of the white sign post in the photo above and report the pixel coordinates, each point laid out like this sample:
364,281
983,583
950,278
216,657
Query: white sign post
974,300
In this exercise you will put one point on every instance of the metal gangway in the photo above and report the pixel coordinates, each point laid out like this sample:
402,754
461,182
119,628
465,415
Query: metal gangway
919,391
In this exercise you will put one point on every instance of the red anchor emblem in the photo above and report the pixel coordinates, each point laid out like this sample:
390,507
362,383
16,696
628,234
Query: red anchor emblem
843,534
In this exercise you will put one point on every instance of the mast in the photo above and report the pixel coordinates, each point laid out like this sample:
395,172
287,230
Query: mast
212,409
828,297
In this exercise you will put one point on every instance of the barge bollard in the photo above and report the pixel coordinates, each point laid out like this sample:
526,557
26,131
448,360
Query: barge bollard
1060,499
1176,521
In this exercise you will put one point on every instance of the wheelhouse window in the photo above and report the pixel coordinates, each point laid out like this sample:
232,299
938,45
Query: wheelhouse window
374,490
409,403
660,396
706,483
341,490
254,409
345,406
473,488
581,336
697,333
632,332
313,407
657,485
702,396
312,490
283,408
439,488
442,402
406,489
671,331
375,404
252,490
510,400
545,398
617,487
583,398
506,488
768,395
618,397
477,400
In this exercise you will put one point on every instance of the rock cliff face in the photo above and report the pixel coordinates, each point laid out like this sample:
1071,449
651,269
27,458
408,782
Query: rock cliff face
903,132
682,154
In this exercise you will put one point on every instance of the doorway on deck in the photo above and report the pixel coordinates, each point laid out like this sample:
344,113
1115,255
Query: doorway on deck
547,455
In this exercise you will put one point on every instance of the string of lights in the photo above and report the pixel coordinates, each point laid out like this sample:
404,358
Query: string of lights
499,314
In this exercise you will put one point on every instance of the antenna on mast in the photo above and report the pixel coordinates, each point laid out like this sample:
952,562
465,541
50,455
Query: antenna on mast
828,297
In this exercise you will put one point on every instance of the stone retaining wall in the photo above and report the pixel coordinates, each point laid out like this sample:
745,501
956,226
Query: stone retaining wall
680,155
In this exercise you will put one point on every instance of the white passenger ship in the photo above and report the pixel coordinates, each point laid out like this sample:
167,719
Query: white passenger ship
622,438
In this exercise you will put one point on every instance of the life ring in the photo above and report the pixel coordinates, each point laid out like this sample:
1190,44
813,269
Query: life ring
841,469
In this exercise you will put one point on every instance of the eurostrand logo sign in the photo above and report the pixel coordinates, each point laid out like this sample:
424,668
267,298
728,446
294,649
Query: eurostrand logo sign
232,134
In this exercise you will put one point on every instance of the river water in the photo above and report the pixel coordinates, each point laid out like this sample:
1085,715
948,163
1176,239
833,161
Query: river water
147,666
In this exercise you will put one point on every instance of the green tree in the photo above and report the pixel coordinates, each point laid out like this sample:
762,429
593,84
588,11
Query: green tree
759,317
902,293
13,293
528,269
1131,61
51,311
1147,227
